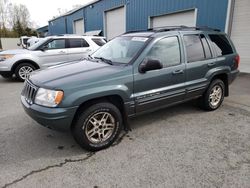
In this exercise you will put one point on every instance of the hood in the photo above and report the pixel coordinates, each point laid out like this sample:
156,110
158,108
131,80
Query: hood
15,51
72,74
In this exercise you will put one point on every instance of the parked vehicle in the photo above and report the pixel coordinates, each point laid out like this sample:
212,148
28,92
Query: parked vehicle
47,52
135,73
32,41
23,41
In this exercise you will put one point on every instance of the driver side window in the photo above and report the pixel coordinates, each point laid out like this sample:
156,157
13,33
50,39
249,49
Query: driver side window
56,44
167,51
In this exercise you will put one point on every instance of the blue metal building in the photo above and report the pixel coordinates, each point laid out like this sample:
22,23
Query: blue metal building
140,14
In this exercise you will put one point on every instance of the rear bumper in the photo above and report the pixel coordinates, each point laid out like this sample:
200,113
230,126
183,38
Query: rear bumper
232,76
54,118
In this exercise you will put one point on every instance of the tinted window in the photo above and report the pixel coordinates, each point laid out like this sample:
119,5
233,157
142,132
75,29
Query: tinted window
167,51
221,45
56,44
99,41
78,43
194,48
206,47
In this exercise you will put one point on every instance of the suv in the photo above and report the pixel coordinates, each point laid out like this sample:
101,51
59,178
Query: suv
47,52
134,73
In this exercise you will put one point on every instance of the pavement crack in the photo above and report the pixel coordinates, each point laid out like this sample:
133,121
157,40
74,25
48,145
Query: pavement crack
49,167
119,140
89,155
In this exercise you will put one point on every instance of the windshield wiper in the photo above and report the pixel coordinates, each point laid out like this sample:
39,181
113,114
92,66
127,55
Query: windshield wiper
108,61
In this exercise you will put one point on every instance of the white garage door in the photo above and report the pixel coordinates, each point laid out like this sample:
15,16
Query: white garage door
79,27
187,18
115,22
240,32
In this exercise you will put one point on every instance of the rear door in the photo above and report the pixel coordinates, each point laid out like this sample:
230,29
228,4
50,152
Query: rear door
54,53
158,88
77,48
199,61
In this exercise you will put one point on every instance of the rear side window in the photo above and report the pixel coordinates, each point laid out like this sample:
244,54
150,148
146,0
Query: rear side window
206,47
78,43
99,41
221,45
167,51
194,48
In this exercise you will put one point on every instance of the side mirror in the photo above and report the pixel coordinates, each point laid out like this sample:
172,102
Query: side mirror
150,64
44,48
18,44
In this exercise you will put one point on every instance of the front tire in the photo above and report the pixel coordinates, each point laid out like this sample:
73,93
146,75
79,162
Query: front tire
23,71
214,96
98,126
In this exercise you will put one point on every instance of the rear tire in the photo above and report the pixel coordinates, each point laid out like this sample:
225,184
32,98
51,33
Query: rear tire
23,71
98,126
214,95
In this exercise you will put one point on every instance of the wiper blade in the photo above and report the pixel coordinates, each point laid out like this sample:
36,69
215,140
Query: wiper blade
108,61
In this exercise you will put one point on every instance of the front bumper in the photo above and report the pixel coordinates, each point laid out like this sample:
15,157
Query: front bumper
6,73
54,118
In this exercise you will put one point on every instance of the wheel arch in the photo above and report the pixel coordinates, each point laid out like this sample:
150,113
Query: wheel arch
224,77
24,61
116,100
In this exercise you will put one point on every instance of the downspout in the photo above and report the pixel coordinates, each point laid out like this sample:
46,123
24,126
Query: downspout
66,26
230,14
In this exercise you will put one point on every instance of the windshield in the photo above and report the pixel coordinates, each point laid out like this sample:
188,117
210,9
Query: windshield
121,49
34,46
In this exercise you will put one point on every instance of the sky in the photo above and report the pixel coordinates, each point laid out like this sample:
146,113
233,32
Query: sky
43,10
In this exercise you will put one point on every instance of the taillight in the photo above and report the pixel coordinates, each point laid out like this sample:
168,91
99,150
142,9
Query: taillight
237,61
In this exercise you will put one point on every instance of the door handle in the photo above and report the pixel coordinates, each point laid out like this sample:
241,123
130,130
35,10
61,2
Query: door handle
178,72
211,64
62,52
87,50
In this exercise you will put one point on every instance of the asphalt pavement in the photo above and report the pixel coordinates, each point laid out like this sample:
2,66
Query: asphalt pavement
181,146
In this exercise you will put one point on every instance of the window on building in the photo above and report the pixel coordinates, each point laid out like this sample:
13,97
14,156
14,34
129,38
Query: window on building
167,51
221,45
206,47
194,48
56,44
99,41
78,43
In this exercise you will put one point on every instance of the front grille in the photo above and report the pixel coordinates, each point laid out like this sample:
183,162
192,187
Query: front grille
29,92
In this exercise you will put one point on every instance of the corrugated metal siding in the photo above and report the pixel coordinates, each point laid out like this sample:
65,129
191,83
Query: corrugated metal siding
94,16
57,26
210,13
73,17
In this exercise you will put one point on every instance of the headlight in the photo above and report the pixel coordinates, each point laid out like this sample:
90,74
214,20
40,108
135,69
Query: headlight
49,98
3,57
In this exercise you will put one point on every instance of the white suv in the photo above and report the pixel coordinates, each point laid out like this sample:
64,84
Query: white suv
47,52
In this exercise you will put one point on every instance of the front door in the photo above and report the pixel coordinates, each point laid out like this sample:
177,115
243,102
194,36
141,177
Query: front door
158,88
54,53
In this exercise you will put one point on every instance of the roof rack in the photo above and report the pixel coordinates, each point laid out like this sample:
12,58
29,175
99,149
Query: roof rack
173,28
182,27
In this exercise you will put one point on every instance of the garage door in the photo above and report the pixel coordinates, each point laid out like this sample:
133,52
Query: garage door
79,27
115,22
187,18
240,32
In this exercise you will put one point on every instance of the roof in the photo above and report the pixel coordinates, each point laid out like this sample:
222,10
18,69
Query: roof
43,28
75,10
73,36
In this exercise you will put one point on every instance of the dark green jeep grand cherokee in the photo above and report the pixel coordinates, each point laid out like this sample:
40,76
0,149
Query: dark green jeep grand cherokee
134,73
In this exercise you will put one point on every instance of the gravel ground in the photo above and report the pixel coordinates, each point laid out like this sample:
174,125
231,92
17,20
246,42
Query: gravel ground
181,146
